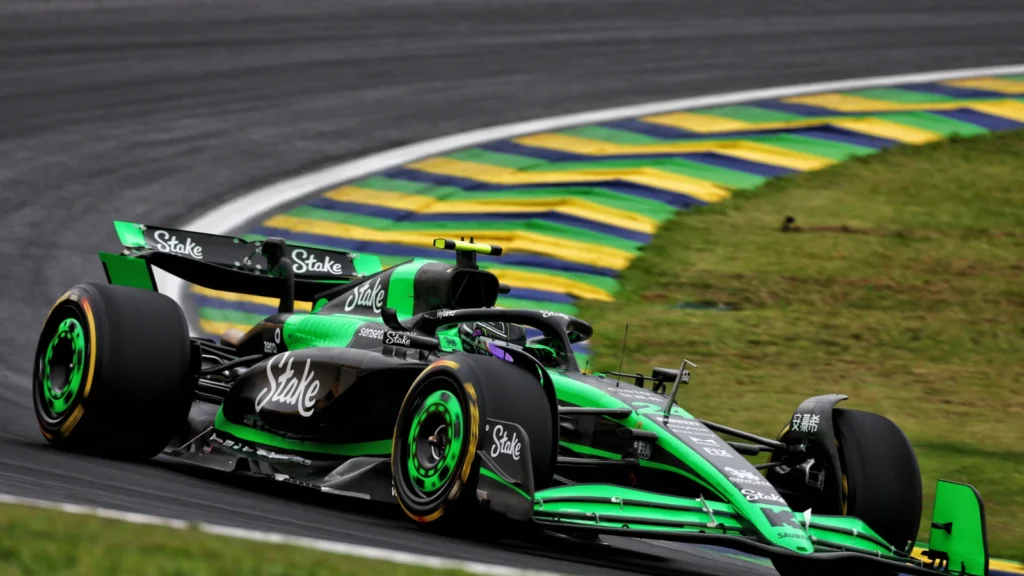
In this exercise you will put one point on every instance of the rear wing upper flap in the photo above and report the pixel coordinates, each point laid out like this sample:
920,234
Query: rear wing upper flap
232,264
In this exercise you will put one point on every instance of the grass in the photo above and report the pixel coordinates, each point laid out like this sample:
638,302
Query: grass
905,290
49,543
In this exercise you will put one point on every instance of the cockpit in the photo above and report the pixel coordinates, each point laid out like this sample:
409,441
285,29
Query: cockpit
488,338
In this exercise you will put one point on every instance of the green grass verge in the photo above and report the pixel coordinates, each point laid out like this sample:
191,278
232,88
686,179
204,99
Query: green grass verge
916,310
49,543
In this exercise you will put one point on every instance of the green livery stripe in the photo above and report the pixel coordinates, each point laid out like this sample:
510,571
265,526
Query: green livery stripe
130,234
128,271
375,448
400,295
313,331
500,480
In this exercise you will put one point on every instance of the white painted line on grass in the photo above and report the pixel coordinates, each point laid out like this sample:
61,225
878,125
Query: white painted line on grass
366,552
235,213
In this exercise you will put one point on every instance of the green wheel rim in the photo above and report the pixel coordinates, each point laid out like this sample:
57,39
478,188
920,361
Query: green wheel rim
435,441
62,366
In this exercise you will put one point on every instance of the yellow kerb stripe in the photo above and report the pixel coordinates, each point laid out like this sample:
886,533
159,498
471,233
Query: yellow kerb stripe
700,123
890,130
1000,85
737,148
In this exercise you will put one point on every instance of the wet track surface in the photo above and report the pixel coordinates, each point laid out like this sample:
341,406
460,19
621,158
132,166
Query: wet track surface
155,111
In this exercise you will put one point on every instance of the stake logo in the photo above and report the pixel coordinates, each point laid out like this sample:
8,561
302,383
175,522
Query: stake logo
286,389
303,261
366,296
166,242
504,445
397,339
754,496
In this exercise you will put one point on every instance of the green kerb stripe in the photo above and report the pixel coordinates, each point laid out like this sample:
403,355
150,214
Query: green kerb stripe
613,135
936,123
749,114
497,158
902,95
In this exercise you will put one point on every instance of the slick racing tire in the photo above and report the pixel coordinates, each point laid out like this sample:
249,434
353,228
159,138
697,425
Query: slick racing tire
881,478
881,486
111,374
440,427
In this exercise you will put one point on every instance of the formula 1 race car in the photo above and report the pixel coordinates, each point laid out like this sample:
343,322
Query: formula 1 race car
408,385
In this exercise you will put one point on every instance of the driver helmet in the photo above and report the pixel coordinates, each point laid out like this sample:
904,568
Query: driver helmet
477,337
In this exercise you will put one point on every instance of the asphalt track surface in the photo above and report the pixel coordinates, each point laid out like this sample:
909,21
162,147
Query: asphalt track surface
156,110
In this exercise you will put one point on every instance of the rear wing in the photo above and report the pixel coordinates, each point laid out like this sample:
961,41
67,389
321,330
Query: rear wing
270,267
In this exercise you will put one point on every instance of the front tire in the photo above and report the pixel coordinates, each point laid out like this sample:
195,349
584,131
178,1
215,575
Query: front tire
441,424
111,374
882,481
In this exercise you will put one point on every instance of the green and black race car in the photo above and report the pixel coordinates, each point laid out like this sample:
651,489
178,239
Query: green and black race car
408,385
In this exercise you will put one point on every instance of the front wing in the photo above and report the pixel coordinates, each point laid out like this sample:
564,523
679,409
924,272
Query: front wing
616,510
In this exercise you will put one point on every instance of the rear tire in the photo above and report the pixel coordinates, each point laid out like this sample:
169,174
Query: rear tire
111,374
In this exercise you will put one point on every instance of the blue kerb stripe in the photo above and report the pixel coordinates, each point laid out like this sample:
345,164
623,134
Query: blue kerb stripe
987,121
398,215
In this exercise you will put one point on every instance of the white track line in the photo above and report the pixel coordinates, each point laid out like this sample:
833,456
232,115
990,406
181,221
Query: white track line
234,214
367,552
